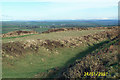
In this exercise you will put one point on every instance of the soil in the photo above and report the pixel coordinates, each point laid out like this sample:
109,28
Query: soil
18,33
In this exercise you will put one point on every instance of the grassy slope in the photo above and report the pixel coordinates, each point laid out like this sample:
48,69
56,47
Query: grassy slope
40,63
53,36
32,64
105,54
36,63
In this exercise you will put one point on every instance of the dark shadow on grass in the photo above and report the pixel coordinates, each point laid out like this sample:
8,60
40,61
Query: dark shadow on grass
57,73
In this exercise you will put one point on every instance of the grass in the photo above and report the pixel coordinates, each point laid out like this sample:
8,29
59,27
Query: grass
9,29
31,64
107,58
17,36
40,29
40,62
35,63
78,56
54,35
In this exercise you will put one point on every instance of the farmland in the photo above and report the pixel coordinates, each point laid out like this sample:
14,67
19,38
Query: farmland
41,26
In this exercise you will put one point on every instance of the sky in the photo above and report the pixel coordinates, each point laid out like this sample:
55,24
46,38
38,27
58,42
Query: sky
58,9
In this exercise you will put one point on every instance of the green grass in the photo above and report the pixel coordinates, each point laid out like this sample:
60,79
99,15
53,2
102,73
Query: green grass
54,35
30,64
9,29
22,68
106,58
40,29
17,36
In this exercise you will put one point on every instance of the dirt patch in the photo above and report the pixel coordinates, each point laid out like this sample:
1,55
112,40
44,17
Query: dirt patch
13,48
52,44
18,33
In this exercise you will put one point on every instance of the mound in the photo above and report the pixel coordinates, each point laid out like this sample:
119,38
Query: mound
18,47
63,29
103,60
77,29
18,33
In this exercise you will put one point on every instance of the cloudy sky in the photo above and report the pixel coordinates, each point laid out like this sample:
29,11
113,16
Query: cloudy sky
58,9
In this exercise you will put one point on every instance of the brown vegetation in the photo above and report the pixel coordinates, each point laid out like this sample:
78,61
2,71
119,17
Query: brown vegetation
18,33
77,29
101,60
16,48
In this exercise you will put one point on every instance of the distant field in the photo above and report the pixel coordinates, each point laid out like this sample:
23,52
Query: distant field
9,29
40,26
53,36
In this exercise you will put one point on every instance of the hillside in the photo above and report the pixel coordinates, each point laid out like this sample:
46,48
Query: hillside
44,54
103,59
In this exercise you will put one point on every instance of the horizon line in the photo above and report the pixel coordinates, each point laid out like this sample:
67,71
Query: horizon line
59,20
